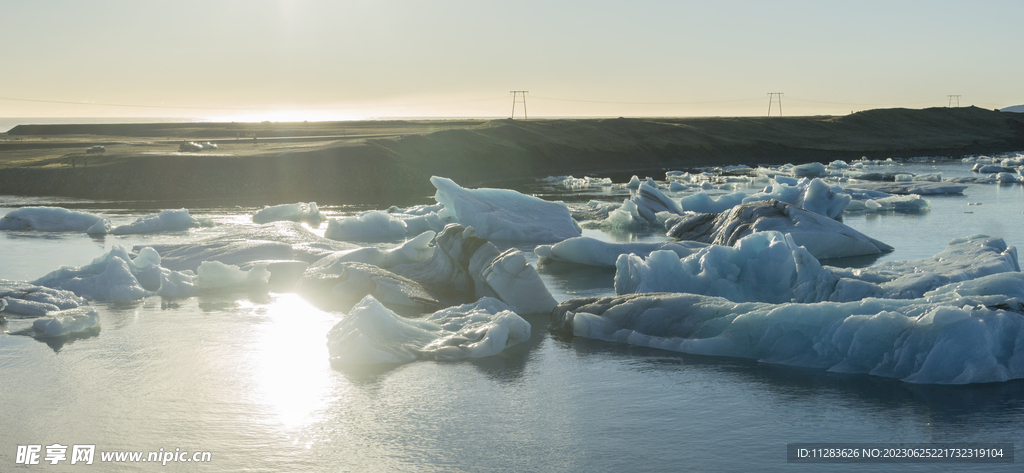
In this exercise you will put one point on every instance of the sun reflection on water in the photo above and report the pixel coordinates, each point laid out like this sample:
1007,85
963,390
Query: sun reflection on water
290,368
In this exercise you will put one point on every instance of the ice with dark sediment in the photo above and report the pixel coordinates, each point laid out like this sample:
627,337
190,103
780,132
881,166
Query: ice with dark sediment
466,267
66,322
769,267
372,334
297,212
29,299
503,214
960,333
164,221
49,219
823,237
593,252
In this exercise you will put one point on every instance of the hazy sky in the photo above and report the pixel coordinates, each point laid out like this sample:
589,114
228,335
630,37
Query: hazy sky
304,59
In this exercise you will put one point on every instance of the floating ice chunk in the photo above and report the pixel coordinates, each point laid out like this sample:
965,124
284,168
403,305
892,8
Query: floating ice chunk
28,299
839,164
675,186
944,338
357,280
593,252
467,267
277,241
812,195
626,217
570,182
990,168
368,226
502,214
416,250
903,177
768,267
896,203
175,284
634,182
1008,177
703,203
920,188
217,275
760,267
822,236
650,201
511,278
372,334
101,227
66,322
809,170
593,210
145,268
115,283
165,221
48,219
297,212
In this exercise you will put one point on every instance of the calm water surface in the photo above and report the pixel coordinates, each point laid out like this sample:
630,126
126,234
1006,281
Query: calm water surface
246,377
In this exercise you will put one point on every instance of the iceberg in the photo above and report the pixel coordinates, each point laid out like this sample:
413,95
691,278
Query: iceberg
66,322
368,226
823,237
165,221
416,250
465,266
283,241
217,275
28,299
961,333
769,267
297,212
919,188
593,252
372,334
502,214
115,283
49,219
342,285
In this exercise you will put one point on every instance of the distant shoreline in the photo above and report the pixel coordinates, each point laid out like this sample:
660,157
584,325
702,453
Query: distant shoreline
390,162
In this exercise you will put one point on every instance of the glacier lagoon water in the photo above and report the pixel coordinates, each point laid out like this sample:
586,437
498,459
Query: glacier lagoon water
245,375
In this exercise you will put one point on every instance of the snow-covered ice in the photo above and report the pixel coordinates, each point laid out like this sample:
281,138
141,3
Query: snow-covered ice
503,214
49,219
297,212
165,221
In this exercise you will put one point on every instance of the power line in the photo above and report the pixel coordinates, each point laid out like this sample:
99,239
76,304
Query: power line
647,102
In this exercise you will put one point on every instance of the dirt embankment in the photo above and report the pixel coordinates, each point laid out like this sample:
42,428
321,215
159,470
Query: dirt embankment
397,168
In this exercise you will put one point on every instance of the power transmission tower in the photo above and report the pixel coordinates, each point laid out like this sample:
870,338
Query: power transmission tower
953,98
516,94
774,97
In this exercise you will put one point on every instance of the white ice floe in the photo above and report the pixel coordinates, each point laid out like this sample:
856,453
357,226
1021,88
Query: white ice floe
769,267
115,283
961,333
593,252
283,241
374,225
28,299
416,250
49,219
217,275
165,221
66,322
896,203
372,334
822,236
297,212
502,214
